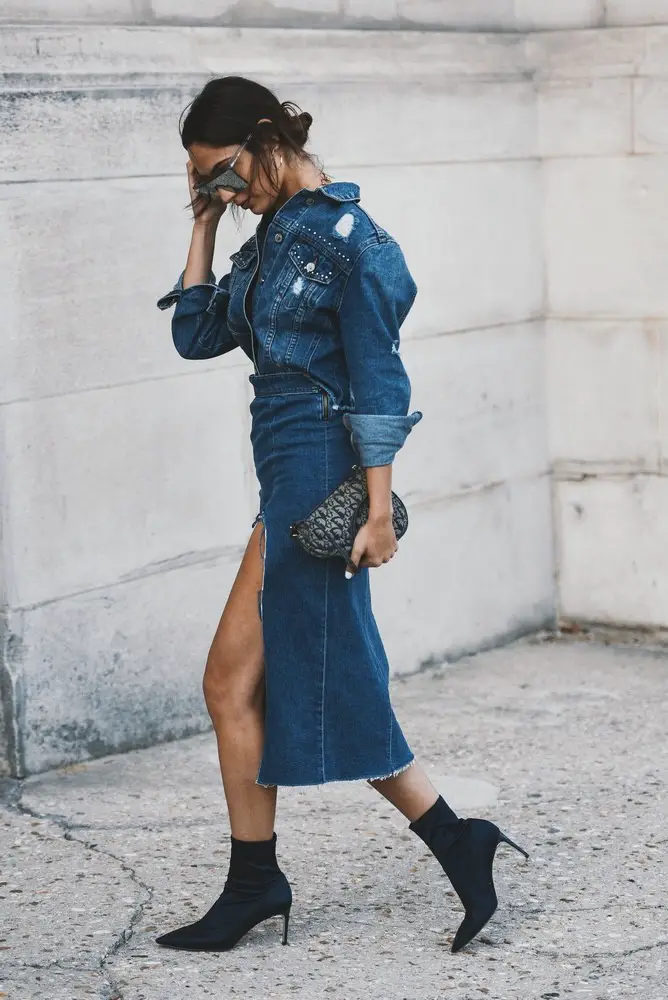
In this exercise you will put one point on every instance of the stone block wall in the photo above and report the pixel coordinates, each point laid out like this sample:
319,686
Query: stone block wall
129,490
522,174
605,143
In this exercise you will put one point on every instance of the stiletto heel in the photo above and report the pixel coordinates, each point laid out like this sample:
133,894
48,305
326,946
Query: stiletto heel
506,840
286,917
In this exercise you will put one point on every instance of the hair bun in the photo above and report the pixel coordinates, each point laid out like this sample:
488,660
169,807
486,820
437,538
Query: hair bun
299,122
305,120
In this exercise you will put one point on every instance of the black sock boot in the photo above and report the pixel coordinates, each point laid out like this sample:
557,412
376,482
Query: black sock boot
465,849
255,889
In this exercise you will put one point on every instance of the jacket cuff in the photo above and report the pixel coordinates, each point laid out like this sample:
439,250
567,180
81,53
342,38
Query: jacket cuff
165,301
378,437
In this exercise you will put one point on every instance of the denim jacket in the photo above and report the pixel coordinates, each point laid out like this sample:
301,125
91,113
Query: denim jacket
332,291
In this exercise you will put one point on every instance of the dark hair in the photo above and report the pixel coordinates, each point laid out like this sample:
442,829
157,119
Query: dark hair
229,109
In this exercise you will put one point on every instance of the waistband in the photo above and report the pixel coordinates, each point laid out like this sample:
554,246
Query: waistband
283,383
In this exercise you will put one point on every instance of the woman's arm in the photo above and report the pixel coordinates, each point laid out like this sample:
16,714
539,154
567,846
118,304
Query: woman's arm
203,240
378,295
376,542
379,485
199,323
200,254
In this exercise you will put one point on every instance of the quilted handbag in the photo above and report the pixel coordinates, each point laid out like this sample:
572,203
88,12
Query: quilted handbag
330,529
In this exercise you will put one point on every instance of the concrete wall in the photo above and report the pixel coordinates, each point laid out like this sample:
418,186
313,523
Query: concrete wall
604,136
128,486
434,15
533,216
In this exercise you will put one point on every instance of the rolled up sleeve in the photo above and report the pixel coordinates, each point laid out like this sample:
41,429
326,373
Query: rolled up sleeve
199,323
167,301
377,438
378,295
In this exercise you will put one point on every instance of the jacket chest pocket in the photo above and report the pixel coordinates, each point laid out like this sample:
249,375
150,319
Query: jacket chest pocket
309,288
312,265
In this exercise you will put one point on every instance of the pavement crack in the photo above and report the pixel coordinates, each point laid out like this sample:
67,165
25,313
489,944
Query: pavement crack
146,827
10,798
549,911
46,967
594,955
633,951
68,830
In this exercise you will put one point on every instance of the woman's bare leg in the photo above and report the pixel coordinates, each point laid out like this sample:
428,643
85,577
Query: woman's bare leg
411,791
233,687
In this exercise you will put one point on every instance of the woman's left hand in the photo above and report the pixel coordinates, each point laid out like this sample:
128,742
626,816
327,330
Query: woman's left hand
375,543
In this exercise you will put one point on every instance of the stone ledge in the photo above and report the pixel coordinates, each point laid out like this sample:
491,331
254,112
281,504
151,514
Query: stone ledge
82,57
271,53
387,15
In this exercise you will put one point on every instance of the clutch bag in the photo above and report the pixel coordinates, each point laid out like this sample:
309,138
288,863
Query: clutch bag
330,529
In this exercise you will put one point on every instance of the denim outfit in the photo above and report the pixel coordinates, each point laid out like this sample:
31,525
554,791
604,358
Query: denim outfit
327,289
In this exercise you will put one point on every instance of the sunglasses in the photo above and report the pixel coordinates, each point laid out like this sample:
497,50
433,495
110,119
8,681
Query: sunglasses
228,179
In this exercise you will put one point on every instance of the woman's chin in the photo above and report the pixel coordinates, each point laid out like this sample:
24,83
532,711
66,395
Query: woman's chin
258,206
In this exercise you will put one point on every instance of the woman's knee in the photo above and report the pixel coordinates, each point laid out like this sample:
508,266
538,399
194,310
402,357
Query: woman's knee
231,686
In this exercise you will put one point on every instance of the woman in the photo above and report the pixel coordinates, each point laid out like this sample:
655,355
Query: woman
296,682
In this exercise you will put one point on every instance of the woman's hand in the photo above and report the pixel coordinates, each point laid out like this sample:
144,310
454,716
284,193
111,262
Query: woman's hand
207,211
375,542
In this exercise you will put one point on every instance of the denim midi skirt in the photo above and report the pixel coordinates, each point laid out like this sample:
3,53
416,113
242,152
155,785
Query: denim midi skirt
328,715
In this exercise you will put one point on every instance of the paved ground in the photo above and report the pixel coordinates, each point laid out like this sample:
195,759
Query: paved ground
563,743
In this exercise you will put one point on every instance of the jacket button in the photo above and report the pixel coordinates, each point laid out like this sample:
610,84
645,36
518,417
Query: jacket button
310,201
278,238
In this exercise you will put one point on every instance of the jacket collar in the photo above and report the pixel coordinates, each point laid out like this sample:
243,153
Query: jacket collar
338,191
341,191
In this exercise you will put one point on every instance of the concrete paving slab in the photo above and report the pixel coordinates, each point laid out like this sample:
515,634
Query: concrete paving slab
56,984
561,742
50,882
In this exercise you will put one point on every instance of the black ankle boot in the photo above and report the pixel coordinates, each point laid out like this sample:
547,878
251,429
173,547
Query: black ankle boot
465,849
255,889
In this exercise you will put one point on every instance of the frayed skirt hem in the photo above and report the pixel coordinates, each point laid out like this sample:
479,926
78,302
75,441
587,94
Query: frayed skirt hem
361,777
